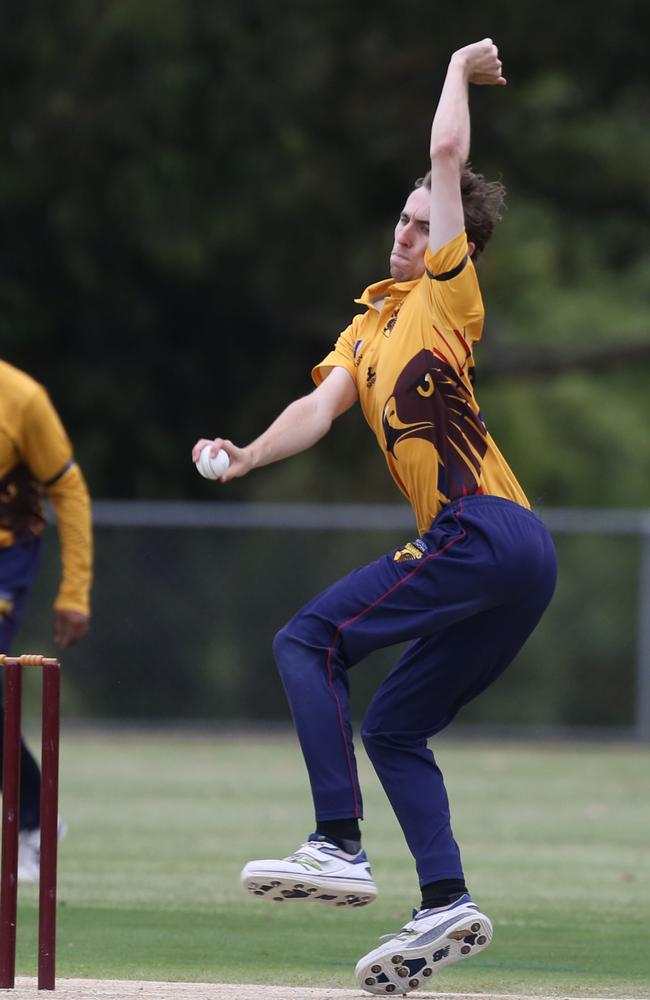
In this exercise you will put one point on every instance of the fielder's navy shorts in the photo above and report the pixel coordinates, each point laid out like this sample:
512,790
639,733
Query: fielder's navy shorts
475,589
18,565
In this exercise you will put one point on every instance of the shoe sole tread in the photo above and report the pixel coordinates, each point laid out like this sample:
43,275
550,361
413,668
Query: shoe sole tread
281,889
470,935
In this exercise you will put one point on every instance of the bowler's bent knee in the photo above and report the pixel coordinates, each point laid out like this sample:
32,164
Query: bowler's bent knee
378,741
296,652
286,649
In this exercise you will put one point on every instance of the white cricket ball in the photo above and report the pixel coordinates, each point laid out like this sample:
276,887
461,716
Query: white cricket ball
212,468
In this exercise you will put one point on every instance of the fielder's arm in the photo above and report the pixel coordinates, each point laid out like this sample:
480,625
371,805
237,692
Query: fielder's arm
71,502
46,450
299,426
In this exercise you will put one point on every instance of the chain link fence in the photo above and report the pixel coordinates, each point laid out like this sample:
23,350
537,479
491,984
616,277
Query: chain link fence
188,597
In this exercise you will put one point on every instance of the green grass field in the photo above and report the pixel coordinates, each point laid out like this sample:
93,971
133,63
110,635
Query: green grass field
556,844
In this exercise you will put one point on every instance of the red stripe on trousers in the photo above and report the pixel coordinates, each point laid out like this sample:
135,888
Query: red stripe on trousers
330,651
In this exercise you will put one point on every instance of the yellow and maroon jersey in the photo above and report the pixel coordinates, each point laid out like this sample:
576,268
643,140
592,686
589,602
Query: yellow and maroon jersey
36,459
410,355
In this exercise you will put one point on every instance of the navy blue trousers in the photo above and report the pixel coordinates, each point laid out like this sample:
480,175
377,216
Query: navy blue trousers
18,566
485,576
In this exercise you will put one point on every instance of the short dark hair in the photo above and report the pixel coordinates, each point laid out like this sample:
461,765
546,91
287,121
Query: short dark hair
482,204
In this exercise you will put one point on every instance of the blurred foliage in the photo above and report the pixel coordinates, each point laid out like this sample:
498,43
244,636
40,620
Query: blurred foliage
193,192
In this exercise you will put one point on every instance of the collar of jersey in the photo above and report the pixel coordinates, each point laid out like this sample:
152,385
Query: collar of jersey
385,289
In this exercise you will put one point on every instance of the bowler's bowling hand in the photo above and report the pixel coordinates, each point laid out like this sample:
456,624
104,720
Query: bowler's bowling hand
481,63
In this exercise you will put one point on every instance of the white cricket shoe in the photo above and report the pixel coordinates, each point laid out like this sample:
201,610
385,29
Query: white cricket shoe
430,941
29,855
318,870
29,852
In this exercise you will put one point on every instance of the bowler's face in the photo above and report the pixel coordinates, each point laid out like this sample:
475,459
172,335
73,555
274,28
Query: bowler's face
411,237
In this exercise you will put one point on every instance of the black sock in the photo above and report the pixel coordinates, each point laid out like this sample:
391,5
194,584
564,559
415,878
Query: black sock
442,893
344,832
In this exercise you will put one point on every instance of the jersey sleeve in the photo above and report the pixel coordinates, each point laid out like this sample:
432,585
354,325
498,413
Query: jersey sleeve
342,354
451,287
71,502
45,446
47,452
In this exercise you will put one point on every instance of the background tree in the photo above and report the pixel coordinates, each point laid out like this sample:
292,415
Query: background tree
192,193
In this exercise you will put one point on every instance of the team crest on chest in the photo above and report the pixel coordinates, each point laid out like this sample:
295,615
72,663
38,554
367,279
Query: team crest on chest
371,377
388,329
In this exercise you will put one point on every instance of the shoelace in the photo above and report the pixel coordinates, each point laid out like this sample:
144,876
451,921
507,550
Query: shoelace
303,849
404,934
304,857
406,931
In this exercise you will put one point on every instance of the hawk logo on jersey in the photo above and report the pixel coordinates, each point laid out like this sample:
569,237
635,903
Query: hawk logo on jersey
20,504
388,329
371,377
431,402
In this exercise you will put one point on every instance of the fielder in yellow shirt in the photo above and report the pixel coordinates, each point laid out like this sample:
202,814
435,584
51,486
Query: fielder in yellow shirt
466,593
36,462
